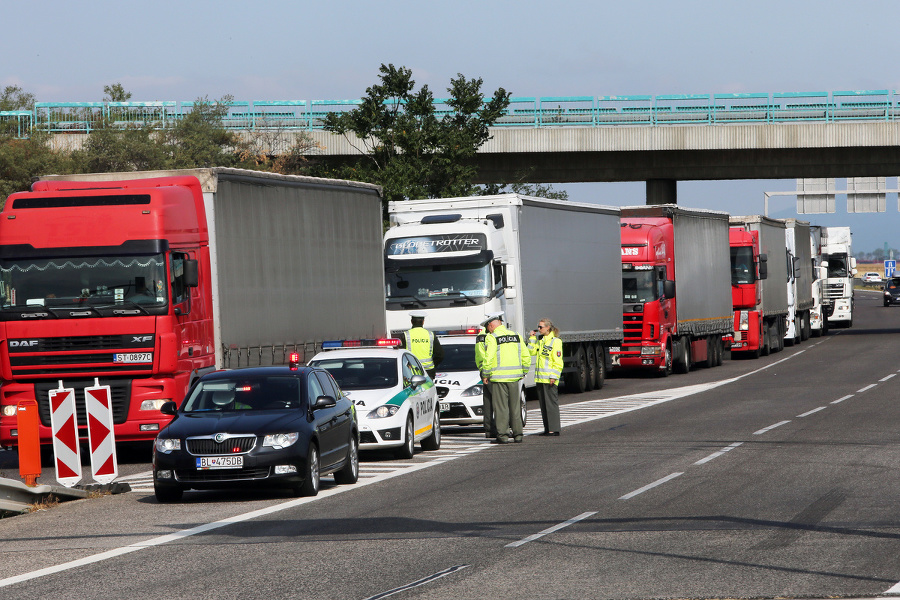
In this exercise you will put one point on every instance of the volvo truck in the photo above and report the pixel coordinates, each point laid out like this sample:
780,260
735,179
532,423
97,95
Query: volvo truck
799,284
146,281
676,296
837,252
459,259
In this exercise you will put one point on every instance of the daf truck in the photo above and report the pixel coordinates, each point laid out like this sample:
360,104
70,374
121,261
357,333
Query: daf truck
837,252
758,285
459,259
818,322
676,298
146,281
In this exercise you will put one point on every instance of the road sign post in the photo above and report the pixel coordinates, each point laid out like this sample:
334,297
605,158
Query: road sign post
64,424
890,267
27,422
101,438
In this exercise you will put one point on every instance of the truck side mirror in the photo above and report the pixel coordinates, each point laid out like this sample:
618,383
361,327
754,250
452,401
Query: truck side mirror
763,270
669,288
191,273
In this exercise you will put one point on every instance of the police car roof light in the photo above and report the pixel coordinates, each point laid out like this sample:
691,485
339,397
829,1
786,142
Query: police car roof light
294,360
388,342
379,343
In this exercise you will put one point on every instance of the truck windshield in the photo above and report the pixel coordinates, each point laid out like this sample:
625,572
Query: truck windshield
76,282
837,265
742,270
422,284
640,286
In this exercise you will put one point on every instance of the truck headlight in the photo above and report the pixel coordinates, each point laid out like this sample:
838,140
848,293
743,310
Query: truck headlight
651,351
745,320
154,404
9,410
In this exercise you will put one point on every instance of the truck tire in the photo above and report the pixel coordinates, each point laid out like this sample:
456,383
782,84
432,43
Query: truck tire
579,375
720,351
765,348
683,356
666,369
591,366
600,367
710,360
806,328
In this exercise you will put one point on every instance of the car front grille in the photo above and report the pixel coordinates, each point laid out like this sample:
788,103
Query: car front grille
212,475
367,437
456,410
207,445
442,391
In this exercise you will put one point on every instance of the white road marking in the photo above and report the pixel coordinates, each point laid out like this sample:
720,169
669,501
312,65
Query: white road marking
888,377
650,486
718,454
770,428
418,583
541,534
810,412
868,387
842,399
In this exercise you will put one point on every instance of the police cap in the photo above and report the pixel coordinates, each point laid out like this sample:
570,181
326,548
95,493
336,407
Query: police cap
417,314
492,317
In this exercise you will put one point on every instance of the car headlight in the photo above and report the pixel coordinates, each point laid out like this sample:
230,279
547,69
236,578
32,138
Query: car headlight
475,390
384,411
280,440
167,445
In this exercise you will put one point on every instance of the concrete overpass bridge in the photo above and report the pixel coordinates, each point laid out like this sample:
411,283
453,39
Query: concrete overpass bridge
657,139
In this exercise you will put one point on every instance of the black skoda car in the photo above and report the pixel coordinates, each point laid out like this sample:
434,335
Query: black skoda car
263,426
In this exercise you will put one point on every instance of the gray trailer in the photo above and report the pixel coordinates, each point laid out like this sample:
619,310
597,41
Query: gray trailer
800,299
294,261
532,258
773,291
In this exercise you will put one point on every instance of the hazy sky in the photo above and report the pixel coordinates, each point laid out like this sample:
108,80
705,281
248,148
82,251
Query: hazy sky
282,50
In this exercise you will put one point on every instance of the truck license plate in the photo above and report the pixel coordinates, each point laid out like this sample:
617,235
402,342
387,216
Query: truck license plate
133,357
220,462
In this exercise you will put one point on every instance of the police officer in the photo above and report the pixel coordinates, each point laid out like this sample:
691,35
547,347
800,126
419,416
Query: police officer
547,371
422,343
487,410
506,361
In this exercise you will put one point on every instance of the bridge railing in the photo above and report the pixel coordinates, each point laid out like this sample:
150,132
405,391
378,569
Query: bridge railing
536,112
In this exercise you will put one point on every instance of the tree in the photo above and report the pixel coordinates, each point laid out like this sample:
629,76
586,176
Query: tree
200,139
409,150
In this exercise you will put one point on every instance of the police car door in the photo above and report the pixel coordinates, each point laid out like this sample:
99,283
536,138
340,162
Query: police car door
422,397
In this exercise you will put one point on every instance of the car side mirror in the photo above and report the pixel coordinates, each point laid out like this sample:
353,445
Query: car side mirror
417,380
324,402
169,408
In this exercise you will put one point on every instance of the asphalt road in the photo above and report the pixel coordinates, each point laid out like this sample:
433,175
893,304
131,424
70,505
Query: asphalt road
768,478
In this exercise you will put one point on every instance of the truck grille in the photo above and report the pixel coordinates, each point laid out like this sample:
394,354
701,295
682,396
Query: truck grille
78,354
208,446
633,329
120,391
834,290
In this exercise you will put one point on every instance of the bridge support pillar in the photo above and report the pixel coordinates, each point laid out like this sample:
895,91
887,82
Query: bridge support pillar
662,191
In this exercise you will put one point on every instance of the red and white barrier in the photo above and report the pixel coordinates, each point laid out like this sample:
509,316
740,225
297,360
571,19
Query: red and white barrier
101,438
64,424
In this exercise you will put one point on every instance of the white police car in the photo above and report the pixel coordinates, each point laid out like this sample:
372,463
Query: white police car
395,400
459,387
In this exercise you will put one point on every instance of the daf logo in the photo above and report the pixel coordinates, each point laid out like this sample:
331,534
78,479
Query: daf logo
140,339
23,343
220,437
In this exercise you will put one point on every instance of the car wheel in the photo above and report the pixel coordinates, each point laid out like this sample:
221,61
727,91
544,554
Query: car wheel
433,441
310,485
406,450
350,472
167,493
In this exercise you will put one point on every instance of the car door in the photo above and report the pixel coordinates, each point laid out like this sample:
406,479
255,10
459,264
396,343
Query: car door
324,420
341,420
422,397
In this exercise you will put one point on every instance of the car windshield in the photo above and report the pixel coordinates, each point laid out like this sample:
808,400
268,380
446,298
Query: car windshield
361,373
458,357
244,394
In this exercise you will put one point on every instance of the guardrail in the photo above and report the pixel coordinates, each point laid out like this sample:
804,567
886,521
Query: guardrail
536,112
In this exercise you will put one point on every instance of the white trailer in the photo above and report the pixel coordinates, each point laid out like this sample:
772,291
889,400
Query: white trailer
799,284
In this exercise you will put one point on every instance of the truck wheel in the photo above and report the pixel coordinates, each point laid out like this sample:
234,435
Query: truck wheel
805,328
666,369
433,441
590,363
720,352
683,360
765,347
710,360
600,367
579,377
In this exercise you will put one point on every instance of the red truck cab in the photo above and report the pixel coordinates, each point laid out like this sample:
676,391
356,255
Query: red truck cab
745,292
648,297
101,281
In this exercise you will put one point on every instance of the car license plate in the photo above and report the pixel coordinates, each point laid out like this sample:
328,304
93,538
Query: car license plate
133,357
220,462
445,407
